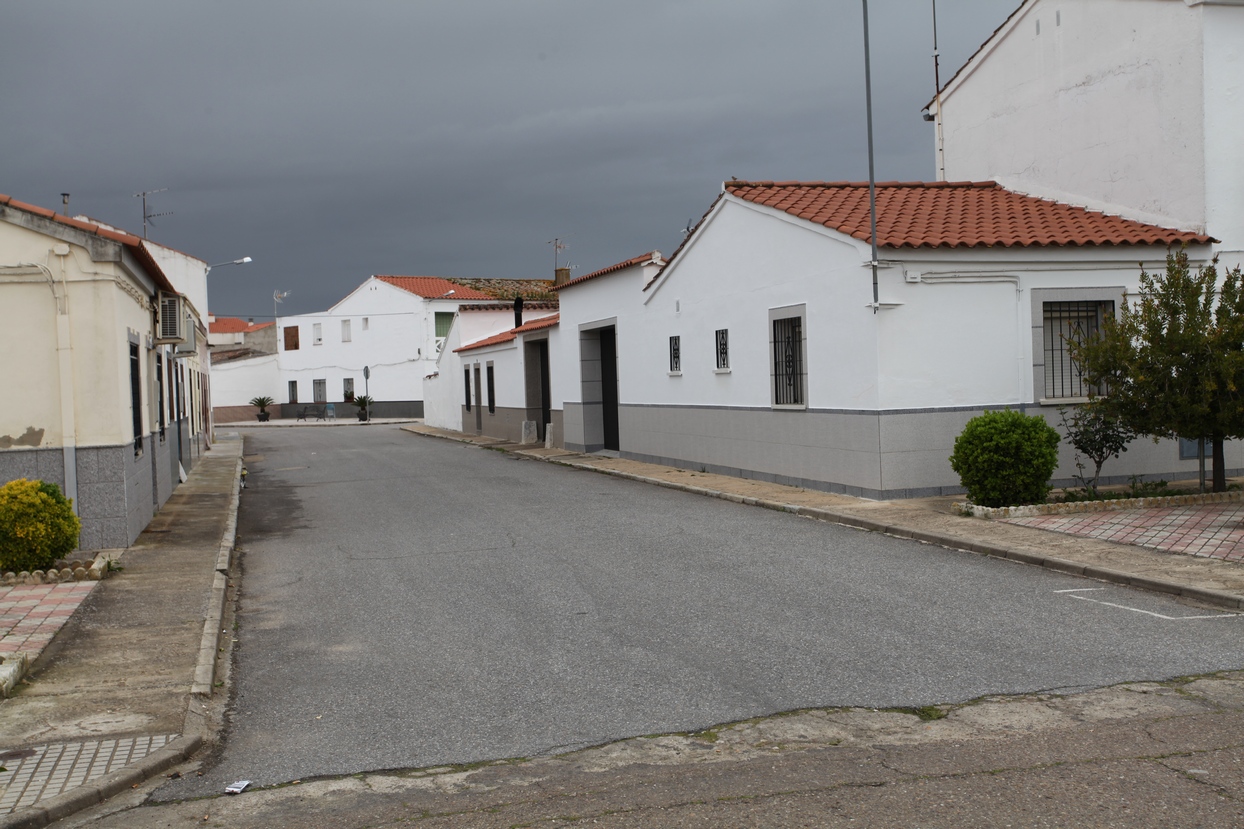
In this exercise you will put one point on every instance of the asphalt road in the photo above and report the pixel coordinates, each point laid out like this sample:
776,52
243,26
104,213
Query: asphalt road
411,602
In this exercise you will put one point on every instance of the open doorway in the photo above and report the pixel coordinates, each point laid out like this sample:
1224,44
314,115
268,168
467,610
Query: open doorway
598,362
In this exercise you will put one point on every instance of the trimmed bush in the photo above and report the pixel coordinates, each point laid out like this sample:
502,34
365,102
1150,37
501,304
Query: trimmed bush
1006,458
37,525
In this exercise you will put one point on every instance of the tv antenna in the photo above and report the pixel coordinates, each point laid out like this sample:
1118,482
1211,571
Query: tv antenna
278,296
147,217
686,231
558,247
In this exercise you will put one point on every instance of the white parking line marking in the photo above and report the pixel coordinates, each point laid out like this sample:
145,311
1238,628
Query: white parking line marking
1151,613
1080,590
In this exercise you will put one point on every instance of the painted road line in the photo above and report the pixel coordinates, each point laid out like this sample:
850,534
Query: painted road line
1152,613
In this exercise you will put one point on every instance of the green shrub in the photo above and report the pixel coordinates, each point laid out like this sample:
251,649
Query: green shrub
37,525
1006,458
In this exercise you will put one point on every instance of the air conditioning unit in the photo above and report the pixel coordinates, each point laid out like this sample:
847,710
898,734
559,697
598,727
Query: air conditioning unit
170,319
190,344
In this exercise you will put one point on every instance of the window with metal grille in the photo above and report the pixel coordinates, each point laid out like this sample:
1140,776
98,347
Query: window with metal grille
675,353
492,392
293,391
1069,322
347,389
788,369
466,375
723,348
291,338
136,398
319,391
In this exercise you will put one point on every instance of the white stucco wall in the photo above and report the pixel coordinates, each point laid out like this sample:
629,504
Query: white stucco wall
1224,128
444,394
237,382
1105,107
105,302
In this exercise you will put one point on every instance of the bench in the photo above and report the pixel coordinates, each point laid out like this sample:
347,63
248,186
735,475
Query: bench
318,411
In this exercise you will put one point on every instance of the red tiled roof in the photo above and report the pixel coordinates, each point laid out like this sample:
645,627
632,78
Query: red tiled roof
539,305
653,256
433,287
235,325
134,243
953,214
506,336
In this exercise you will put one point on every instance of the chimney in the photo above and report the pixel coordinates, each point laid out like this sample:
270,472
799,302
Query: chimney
250,320
518,312
561,276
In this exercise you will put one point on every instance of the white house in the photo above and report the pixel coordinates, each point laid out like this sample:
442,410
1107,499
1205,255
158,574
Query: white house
758,350
499,379
394,325
104,342
1134,107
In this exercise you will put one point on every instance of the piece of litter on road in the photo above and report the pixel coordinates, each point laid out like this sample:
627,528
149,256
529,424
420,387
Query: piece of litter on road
238,787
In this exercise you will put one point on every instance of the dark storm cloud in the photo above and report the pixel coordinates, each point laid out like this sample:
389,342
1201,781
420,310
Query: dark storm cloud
333,141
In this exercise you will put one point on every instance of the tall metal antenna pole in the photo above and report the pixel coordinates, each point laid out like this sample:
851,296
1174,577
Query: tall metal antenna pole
148,216
872,177
558,247
937,98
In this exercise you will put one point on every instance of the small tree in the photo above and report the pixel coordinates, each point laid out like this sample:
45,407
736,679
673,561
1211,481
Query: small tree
1172,363
1096,435
1006,458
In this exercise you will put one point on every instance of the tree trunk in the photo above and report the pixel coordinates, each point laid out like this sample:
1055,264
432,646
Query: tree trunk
1220,469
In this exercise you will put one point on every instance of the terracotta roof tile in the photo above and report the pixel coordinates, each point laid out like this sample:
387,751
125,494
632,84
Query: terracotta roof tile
954,215
528,289
134,243
235,325
507,336
653,256
434,287
539,305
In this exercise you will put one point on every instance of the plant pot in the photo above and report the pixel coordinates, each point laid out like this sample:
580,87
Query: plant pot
263,416
362,414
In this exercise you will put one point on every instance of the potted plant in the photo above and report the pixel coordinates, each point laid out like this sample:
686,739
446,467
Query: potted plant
263,403
364,402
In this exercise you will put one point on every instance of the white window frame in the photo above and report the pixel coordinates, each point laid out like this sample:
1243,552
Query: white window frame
345,330
776,315
317,333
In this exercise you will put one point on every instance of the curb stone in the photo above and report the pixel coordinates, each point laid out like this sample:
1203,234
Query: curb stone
97,791
209,644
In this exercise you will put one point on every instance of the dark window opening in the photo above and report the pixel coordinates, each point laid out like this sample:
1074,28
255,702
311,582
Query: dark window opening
160,410
723,348
136,398
293,391
675,353
1069,322
291,338
492,393
466,374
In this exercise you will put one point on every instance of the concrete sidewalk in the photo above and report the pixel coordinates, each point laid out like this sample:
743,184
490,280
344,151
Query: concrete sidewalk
118,693
1213,581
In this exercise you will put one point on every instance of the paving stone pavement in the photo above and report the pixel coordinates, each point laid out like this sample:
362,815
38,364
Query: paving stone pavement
1209,530
40,772
31,614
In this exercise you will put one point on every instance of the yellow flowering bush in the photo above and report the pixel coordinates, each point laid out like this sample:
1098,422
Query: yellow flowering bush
37,525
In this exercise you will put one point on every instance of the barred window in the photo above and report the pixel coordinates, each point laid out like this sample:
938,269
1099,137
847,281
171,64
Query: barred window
788,369
466,377
492,392
723,348
1068,322
675,353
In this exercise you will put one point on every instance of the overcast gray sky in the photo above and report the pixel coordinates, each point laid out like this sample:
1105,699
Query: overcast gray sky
332,141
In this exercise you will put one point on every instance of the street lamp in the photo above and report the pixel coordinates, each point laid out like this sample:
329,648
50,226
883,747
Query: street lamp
244,260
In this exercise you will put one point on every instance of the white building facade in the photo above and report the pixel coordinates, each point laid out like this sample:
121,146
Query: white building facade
1134,107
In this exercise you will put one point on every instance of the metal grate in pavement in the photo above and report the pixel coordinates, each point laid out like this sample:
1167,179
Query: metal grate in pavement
39,772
